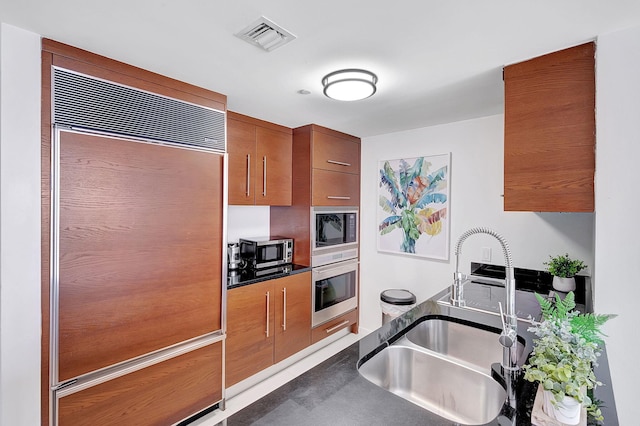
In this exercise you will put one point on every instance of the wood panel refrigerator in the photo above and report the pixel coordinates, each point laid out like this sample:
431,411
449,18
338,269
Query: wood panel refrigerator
136,255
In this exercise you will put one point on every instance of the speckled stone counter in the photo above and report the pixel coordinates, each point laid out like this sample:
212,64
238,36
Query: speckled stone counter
333,393
242,277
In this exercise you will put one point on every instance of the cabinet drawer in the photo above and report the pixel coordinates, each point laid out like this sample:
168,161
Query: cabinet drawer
335,189
163,393
334,153
350,319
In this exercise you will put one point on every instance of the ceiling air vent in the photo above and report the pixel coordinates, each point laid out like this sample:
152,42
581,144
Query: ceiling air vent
265,34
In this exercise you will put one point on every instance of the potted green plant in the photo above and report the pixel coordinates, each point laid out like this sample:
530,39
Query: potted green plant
563,357
564,269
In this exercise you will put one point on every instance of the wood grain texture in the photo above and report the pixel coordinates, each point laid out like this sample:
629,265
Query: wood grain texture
293,222
161,394
549,156
241,148
248,349
89,63
297,311
273,152
140,244
328,184
350,320
335,153
270,149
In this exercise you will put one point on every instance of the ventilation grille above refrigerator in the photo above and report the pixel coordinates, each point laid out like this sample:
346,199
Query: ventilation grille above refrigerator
85,102
265,34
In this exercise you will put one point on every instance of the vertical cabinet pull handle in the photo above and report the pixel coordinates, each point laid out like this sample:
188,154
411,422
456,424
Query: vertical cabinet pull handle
248,173
284,309
267,332
264,176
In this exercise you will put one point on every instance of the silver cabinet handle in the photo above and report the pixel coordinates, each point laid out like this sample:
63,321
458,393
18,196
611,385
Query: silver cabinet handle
338,197
335,327
284,309
267,332
248,173
264,176
339,163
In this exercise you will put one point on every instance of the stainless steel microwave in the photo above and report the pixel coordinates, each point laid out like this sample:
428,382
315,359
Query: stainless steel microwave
334,234
266,252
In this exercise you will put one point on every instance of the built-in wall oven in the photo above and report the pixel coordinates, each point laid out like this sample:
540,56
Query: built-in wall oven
335,290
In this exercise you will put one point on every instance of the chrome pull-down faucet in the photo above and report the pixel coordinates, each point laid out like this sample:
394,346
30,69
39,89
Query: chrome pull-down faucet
509,318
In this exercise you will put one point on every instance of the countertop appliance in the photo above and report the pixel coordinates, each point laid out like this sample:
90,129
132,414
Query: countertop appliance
266,252
233,257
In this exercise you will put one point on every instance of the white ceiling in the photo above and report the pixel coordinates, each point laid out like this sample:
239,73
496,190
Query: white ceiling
437,60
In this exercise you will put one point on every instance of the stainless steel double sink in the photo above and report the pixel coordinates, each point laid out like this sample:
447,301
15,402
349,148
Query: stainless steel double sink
443,366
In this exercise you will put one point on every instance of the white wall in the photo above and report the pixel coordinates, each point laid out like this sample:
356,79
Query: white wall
476,200
20,227
617,227
247,221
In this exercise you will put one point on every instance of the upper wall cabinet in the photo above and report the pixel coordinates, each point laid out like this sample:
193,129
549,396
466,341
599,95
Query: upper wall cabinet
549,140
332,159
259,161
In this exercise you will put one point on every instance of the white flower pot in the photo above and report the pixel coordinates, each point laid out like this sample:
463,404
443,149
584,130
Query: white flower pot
567,411
564,285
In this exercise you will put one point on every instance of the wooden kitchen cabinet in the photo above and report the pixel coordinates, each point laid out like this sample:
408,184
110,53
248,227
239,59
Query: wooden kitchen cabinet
260,155
293,315
549,139
163,393
250,331
326,167
326,172
266,323
350,319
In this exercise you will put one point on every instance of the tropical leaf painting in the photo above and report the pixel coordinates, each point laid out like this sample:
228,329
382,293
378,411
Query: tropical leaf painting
413,205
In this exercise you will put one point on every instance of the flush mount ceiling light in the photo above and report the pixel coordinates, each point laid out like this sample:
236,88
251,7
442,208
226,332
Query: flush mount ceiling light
349,84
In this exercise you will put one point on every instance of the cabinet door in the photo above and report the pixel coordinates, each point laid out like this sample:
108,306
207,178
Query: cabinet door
335,189
163,393
549,139
250,330
274,154
293,314
334,153
241,146
140,246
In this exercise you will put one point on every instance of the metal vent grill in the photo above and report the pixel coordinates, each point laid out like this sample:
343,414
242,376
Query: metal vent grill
265,34
90,103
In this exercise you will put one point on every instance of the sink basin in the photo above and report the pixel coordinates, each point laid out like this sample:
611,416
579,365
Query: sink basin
472,346
437,383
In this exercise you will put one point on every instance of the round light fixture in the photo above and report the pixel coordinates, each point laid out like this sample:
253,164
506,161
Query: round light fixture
349,84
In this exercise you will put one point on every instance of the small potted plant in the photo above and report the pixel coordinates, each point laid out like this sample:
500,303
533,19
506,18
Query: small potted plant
564,269
563,357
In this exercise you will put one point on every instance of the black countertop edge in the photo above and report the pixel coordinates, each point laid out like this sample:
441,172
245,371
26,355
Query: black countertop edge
334,393
247,277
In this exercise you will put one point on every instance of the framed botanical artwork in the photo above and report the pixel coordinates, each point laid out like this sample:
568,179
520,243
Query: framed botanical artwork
413,206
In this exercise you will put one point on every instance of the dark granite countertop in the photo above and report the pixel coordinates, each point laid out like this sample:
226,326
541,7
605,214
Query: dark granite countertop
242,277
333,393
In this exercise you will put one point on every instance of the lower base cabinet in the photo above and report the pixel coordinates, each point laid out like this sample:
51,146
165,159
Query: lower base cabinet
160,394
348,320
266,323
